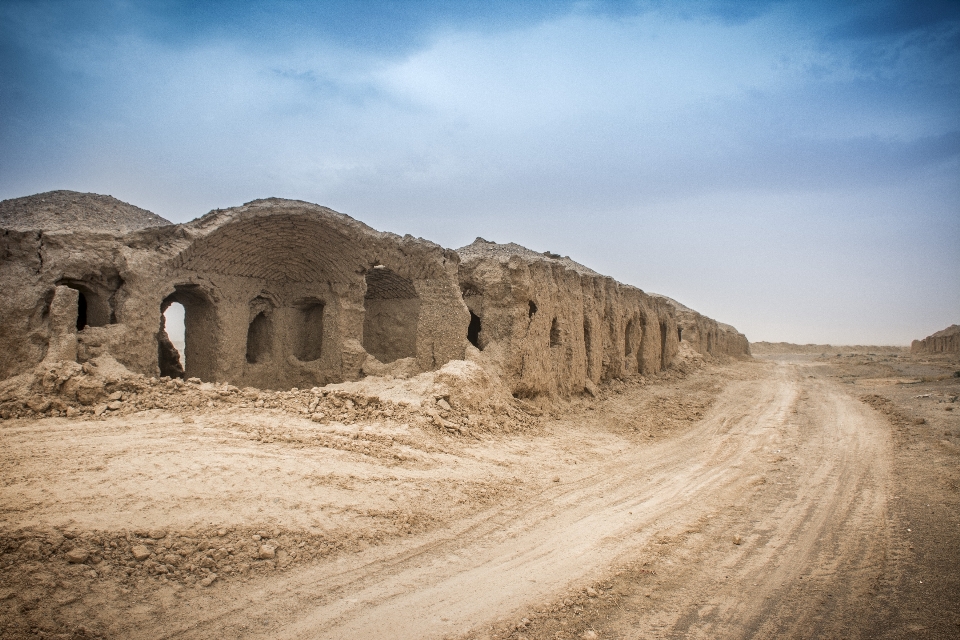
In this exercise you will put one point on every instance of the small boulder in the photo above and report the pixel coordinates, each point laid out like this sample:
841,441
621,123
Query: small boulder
140,552
157,534
591,592
267,552
209,580
77,556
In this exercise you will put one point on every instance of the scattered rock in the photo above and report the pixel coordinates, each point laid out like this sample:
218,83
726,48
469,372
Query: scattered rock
116,395
556,478
140,552
737,540
267,552
591,592
443,404
77,556
157,534
116,405
209,580
38,403
589,634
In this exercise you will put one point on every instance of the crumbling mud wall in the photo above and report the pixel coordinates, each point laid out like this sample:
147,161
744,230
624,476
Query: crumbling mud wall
276,294
945,341
706,335
557,327
280,294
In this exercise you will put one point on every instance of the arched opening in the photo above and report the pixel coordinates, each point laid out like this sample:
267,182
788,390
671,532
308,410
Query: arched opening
259,335
391,315
308,336
199,351
473,330
170,341
531,309
554,333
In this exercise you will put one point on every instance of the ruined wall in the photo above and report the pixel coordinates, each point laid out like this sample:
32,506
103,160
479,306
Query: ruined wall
280,294
945,341
706,335
554,325
274,293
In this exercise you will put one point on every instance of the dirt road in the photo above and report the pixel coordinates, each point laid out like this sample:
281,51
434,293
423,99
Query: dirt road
764,513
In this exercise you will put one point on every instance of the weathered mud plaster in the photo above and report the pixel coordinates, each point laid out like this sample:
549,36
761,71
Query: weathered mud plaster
280,293
555,325
945,341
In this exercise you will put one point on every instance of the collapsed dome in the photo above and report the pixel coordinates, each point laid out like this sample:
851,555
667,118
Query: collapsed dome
77,212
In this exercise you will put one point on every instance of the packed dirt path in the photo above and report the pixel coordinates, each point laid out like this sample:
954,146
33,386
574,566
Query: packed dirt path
764,515
789,466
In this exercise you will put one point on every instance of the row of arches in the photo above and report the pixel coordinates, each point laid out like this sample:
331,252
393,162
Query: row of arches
634,334
188,341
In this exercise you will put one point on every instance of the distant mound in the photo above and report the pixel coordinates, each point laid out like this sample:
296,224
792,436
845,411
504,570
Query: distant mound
766,348
945,341
75,211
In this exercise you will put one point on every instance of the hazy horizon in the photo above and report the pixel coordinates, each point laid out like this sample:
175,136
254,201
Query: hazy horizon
790,168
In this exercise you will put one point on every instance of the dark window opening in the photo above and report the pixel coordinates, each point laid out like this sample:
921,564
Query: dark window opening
532,309
81,311
473,330
679,334
309,337
554,333
258,339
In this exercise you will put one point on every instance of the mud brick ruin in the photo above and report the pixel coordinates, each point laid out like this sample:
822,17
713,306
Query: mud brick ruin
944,341
280,293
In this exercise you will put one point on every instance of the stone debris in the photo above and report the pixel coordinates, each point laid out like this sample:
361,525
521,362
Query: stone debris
140,552
77,556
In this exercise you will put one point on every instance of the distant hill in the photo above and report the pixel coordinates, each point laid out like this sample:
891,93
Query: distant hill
761,348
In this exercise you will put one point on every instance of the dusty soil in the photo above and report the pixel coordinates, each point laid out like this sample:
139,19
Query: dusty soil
790,496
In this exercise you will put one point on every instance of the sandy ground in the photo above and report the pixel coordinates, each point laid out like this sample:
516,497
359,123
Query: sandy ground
793,496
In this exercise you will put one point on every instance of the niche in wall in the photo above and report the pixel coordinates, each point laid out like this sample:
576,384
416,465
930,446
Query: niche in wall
260,331
308,330
391,315
663,345
554,333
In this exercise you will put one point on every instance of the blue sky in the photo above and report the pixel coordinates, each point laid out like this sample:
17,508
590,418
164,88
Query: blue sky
792,168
